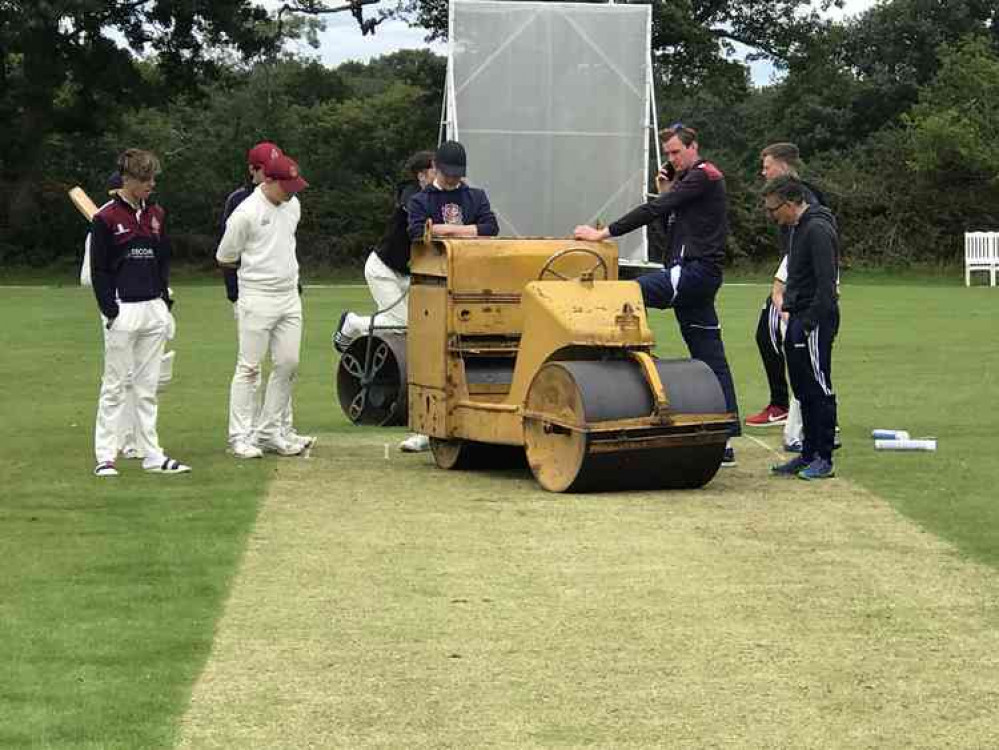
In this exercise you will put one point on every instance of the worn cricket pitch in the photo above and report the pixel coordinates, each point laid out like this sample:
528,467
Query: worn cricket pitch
384,603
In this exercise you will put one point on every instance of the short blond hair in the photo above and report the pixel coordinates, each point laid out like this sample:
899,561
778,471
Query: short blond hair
138,164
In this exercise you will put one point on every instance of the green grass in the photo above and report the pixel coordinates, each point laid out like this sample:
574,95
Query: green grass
111,589
918,358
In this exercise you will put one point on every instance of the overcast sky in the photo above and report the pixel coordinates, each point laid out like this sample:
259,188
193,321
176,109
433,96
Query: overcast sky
342,40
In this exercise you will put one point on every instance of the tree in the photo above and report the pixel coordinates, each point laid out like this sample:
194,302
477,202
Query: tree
954,128
69,66
893,50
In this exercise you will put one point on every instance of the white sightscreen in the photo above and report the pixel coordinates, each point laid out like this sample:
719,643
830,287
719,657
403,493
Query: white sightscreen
551,102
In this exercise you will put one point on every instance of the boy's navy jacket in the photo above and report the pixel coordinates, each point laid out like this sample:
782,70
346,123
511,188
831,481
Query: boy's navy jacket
129,254
462,206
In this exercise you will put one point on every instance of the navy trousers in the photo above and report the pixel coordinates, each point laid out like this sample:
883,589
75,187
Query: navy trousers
690,289
809,365
770,342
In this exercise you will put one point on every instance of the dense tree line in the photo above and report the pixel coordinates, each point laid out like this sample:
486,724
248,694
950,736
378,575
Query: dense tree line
896,112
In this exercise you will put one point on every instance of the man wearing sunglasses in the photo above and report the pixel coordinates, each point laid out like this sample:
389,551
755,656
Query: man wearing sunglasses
693,204
811,311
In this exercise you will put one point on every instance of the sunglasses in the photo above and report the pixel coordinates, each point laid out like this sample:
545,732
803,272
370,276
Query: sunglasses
679,127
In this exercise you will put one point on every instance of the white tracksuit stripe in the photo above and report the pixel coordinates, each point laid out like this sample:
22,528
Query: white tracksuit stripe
813,355
774,324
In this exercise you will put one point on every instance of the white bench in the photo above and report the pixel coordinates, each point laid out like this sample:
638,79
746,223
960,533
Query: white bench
981,253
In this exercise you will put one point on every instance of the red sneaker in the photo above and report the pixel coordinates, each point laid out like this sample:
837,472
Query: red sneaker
772,415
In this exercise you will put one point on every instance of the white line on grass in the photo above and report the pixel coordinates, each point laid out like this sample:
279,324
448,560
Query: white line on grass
763,445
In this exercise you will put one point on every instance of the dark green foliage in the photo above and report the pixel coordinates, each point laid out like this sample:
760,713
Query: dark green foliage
894,112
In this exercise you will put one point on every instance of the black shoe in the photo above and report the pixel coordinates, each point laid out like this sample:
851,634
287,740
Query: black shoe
341,342
728,458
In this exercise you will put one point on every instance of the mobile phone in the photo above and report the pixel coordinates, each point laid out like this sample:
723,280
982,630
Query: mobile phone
668,171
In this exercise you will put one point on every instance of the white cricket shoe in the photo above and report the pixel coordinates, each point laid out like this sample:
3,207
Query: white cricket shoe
281,446
242,449
415,443
292,436
306,441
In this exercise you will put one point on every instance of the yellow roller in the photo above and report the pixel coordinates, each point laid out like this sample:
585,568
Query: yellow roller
588,425
534,346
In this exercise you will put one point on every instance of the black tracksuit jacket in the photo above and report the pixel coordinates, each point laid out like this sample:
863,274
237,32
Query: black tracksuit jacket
812,266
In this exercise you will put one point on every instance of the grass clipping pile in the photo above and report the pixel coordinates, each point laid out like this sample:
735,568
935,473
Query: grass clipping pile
385,603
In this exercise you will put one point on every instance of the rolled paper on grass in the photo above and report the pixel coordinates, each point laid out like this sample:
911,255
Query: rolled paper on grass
889,434
919,444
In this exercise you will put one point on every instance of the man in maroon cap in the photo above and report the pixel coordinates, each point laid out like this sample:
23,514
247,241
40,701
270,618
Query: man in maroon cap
256,158
259,241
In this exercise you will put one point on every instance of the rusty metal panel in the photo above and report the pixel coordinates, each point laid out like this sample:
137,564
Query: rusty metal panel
486,422
428,259
428,411
426,347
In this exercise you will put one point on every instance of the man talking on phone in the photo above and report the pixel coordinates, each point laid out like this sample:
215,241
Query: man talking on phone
693,204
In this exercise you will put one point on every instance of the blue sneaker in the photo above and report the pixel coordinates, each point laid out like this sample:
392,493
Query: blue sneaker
795,447
728,459
789,468
817,469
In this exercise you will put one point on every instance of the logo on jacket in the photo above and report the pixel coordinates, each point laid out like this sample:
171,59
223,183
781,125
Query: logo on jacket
120,230
714,174
451,213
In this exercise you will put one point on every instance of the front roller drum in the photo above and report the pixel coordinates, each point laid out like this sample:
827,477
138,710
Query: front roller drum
585,394
371,380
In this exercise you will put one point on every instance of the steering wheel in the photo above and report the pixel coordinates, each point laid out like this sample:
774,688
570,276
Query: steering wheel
547,267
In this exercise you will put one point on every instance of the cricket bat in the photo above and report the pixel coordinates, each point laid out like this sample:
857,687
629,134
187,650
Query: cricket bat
83,203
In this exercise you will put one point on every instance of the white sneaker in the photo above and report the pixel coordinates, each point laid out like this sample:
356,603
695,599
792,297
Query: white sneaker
415,443
281,446
165,466
242,449
292,436
306,441
105,469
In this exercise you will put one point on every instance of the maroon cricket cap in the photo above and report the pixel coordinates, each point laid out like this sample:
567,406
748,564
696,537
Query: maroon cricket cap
284,170
262,153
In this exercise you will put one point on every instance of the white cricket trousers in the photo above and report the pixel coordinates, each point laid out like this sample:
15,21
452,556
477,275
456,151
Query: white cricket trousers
266,322
389,289
134,343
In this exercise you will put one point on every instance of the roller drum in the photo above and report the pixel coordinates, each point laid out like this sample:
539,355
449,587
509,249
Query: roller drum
587,393
371,380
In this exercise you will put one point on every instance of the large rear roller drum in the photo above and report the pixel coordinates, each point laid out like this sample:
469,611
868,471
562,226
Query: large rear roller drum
371,380
586,394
